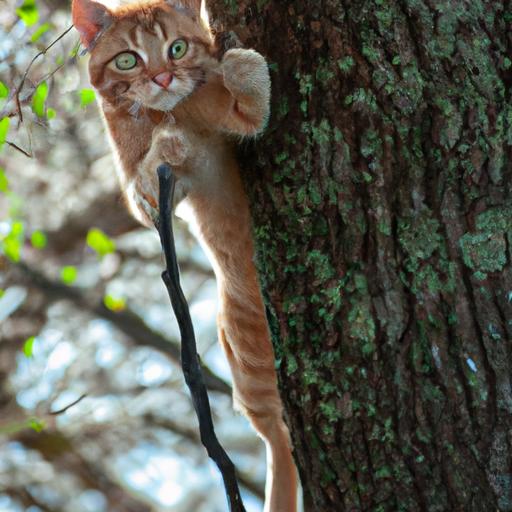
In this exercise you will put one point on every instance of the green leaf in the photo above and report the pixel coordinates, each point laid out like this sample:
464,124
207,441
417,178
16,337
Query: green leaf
17,229
50,113
36,424
74,51
28,12
114,303
12,249
4,128
12,243
4,182
39,99
68,274
38,240
28,346
4,90
87,96
100,242
42,29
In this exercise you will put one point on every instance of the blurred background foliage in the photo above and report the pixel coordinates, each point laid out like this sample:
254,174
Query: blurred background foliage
94,415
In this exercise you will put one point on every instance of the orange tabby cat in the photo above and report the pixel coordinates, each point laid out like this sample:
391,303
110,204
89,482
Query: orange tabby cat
166,97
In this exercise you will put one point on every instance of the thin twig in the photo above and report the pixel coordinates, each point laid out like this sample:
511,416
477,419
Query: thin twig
24,77
51,73
64,409
21,150
189,357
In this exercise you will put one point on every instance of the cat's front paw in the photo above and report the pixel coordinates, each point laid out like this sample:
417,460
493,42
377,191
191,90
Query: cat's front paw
172,146
142,195
246,72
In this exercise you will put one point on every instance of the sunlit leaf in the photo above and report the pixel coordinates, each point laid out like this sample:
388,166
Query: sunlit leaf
50,113
2,292
4,182
17,229
4,90
36,424
114,303
87,96
100,242
39,99
12,243
68,274
28,12
12,249
42,29
74,51
4,128
28,346
38,240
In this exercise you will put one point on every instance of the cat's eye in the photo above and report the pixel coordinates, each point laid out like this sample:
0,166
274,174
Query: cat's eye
178,49
125,61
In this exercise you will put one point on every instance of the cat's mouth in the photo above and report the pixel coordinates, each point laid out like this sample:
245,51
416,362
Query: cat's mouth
166,89
162,91
164,99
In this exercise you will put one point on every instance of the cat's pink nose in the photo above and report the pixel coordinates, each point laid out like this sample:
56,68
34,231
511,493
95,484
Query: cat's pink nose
163,79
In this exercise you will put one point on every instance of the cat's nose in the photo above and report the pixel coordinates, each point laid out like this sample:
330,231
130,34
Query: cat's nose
163,79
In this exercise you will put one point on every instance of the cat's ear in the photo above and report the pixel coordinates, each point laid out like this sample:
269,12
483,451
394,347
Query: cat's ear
199,8
196,4
90,19
193,5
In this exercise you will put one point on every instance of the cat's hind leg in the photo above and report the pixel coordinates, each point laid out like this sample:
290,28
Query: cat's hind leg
250,356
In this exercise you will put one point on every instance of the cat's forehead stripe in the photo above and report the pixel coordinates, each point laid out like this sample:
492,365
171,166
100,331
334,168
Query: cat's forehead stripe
139,40
160,32
135,46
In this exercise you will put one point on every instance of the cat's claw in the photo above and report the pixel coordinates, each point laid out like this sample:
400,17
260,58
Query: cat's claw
148,212
142,195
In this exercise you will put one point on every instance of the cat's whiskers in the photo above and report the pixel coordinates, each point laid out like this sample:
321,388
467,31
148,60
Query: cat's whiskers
135,109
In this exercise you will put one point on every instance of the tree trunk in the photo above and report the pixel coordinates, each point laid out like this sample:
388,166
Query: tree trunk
382,206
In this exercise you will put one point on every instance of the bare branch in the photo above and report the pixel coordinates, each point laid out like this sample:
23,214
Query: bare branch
21,150
64,409
24,77
126,321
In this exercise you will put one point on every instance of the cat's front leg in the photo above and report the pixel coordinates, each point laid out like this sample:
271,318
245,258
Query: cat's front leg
246,77
169,145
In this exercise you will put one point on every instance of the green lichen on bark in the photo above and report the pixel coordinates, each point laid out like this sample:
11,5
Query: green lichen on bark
383,227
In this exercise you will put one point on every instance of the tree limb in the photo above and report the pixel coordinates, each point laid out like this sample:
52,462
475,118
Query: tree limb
126,321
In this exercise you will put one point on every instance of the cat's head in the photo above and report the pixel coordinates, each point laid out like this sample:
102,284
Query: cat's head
151,54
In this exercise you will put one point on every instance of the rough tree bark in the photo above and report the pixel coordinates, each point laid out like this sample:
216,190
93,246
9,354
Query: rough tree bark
382,207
